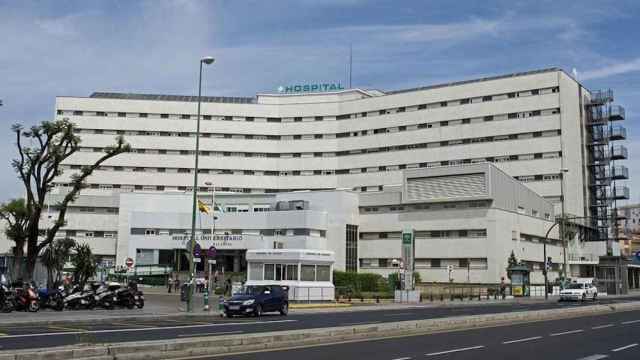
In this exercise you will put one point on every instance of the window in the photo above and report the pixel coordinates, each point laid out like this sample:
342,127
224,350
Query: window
383,263
185,117
150,232
143,115
206,117
269,271
78,113
121,114
164,116
521,210
320,118
291,272
435,263
463,263
323,273
307,273
351,260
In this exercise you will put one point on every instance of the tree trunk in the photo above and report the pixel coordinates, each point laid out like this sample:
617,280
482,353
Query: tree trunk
18,257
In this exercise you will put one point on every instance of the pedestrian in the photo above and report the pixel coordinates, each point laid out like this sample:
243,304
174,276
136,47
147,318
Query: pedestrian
227,287
170,284
503,288
176,284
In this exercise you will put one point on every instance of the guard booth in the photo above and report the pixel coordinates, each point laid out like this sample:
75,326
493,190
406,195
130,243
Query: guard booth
519,280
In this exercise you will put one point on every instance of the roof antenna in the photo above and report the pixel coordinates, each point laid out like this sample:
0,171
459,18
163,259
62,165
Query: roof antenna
575,73
350,62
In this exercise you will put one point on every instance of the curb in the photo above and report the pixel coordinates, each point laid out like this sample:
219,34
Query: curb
220,345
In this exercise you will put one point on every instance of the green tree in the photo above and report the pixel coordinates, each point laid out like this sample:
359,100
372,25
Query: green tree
84,263
511,262
54,258
41,150
15,215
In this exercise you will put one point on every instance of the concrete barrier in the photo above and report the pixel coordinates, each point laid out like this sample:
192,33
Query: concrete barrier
219,345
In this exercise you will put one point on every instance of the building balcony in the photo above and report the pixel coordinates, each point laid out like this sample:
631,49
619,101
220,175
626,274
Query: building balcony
619,172
618,133
601,97
619,152
620,193
616,113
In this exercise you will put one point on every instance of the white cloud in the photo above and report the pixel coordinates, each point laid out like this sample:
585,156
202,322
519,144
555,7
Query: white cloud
611,70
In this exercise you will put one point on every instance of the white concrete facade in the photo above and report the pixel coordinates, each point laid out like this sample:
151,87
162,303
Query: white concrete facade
529,125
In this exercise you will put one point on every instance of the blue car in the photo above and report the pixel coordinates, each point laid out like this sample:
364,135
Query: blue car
255,300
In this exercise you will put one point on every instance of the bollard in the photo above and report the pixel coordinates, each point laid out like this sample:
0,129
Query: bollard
206,301
221,305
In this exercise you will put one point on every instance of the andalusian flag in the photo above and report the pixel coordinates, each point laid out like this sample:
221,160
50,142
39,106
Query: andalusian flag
203,207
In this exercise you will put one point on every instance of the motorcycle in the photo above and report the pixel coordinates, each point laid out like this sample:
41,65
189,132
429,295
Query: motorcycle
26,297
138,296
104,296
78,298
51,298
6,296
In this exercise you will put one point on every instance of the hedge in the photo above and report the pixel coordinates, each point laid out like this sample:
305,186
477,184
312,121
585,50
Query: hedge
360,282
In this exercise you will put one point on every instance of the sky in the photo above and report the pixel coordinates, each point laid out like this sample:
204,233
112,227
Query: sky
73,48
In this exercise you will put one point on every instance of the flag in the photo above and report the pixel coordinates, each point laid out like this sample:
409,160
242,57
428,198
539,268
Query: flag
219,207
203,207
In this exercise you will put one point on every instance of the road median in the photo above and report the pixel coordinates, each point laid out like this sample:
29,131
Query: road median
226,344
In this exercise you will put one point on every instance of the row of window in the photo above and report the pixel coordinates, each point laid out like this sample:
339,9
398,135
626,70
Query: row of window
366,132
255,232
284,272
533,238
437,144
450,263
429,234
427,106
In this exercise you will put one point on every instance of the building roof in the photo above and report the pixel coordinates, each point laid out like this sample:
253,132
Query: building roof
253,100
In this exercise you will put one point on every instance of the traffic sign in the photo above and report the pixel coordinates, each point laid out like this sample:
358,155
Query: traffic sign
196,260
211,261
129,262
197,250
211,252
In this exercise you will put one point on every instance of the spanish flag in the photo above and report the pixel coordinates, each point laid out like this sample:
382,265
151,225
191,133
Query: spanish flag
203,207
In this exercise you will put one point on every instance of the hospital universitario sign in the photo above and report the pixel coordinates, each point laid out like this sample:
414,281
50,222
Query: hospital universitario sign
219,241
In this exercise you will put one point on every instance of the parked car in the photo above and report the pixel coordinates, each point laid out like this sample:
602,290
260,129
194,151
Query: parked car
258,299
579,291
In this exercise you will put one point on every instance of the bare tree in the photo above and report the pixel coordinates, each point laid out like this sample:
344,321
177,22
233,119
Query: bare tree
41,151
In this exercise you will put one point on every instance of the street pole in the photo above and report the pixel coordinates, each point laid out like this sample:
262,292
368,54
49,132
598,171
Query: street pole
562,225
192,242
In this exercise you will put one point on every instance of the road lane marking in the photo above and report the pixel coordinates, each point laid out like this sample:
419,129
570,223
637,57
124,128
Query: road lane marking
404,358
399,314
630,322
567,332
455,350
602,326
67,329
106,331
522,340
210,334
129,324
625,347
594,357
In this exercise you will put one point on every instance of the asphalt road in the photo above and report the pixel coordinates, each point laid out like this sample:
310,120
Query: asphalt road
123,330
614,336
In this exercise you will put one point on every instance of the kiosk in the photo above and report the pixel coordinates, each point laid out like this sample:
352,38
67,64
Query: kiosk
519,280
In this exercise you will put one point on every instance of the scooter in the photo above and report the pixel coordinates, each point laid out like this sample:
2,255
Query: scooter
104,297
138,296
51,298
26,297
80,298
6,297
124,295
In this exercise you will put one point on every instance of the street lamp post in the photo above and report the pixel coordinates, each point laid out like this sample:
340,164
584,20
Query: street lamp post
562,220
192,243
